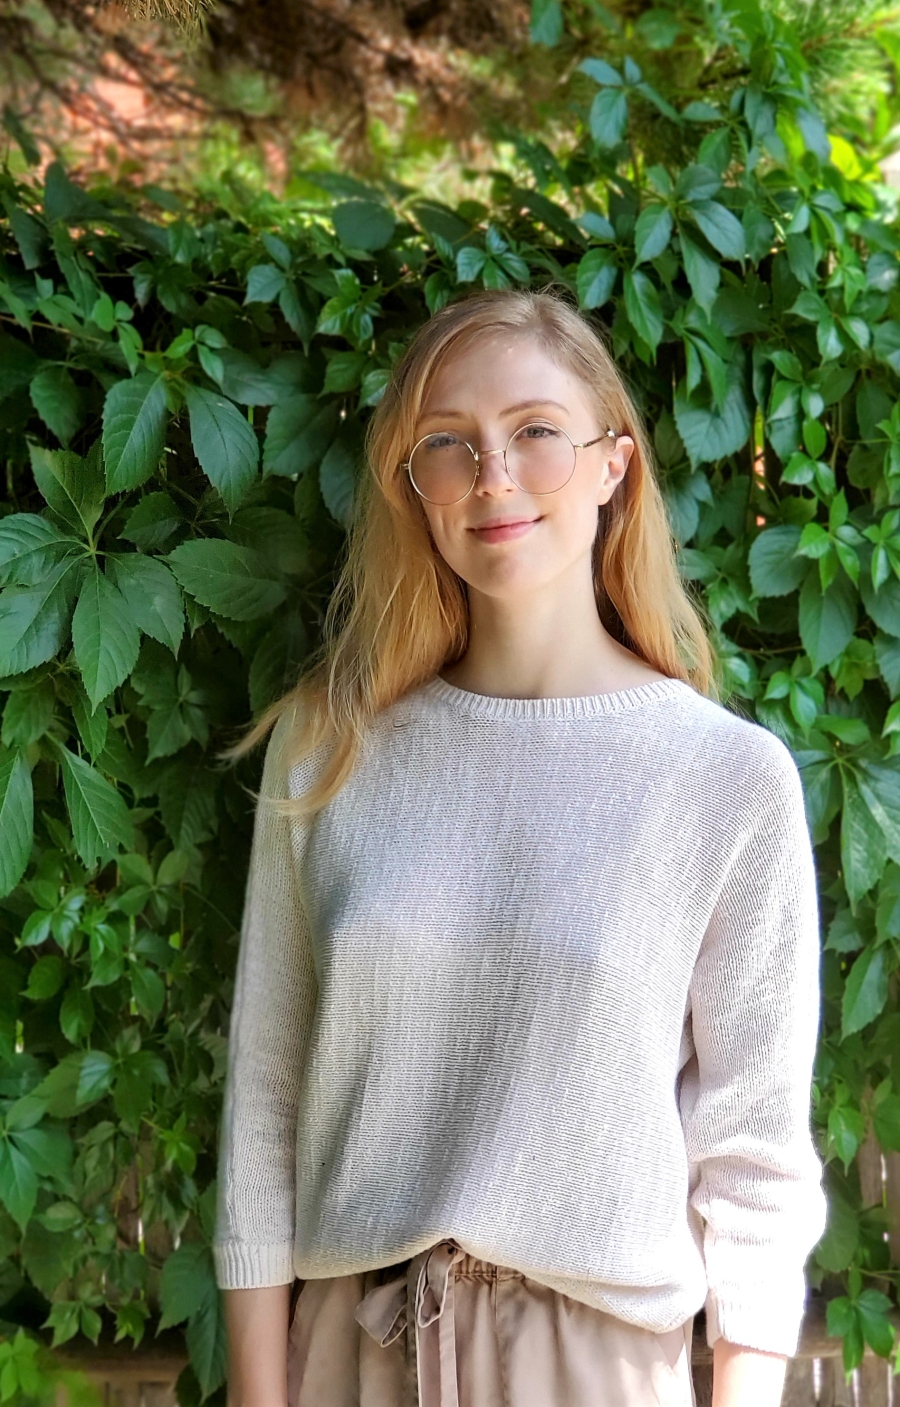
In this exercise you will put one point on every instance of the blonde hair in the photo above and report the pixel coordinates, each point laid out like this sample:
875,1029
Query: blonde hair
399,613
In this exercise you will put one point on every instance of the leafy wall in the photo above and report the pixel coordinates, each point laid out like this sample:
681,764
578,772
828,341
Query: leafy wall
182,395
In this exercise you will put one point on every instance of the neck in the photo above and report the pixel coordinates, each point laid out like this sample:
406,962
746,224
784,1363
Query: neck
548,644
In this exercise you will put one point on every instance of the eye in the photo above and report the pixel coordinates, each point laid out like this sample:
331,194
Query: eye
441,440
539,432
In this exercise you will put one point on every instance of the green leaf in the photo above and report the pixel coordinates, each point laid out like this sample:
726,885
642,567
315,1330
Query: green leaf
28,714
373,386
697,182
92,726
547,23
153,522
298,433
838,1245
34,620
703,273
16,819
76,1014
184,1283
187,802
225,443
602,73
29,547
100,820
709,433
248,383
652,232
879,783
865,992
643,309
886,343
345,370
275,664
264,283
149,991
66,201
608,116
72,486
863,851
18,1183
337,475
774,568
596,226
57,400
231,580
207,1343
45,978
104,635
886,1122
469,263
363,224
723,230
878,1331
882,605
152,596
827,620
298,310
596,278
134,430
79,1079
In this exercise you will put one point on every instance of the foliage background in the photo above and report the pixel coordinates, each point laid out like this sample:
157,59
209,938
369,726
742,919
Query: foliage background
183,385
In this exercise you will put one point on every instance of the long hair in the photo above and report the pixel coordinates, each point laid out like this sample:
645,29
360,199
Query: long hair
399,613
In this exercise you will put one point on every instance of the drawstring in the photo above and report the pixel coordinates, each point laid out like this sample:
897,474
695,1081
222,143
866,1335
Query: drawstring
427,1286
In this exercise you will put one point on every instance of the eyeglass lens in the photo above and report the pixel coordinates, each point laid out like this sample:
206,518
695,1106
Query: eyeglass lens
539,458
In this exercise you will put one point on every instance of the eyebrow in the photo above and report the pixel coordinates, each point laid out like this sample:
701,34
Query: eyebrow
510,410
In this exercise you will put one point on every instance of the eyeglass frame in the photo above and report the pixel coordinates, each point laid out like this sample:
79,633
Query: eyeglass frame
477,456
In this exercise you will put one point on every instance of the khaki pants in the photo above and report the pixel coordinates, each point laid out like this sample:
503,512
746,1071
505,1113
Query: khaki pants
448,1330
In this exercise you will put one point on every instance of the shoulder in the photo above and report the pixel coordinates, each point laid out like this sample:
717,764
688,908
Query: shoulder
296,752
741,760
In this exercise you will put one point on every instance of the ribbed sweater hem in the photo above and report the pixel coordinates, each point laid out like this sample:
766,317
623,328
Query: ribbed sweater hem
771,1325
244,1266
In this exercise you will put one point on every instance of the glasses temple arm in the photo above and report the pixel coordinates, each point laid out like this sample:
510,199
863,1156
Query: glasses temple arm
610,434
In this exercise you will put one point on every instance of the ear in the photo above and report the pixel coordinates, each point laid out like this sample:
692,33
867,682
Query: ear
614,466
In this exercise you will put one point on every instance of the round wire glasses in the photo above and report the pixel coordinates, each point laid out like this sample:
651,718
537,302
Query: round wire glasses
539,458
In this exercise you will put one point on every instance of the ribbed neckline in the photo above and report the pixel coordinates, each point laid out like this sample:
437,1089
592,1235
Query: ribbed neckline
579,706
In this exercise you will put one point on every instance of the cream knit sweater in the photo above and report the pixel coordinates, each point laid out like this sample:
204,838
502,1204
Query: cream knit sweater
543,977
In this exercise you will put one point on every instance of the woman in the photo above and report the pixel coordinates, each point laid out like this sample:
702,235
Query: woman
526,1002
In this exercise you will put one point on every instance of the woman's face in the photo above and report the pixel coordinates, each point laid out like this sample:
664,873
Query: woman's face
483,395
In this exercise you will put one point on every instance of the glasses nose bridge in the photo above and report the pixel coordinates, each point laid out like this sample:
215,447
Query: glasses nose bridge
481,454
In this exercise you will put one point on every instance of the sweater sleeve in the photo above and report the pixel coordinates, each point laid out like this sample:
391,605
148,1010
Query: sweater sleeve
756,1175
271,1019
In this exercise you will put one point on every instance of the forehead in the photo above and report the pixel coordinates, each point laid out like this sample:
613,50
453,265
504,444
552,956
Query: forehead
505,368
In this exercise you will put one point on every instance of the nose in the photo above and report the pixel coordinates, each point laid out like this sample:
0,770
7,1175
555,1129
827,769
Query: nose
500,478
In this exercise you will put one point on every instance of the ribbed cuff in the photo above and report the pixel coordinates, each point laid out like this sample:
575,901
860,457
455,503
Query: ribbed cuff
758,1319
240,1265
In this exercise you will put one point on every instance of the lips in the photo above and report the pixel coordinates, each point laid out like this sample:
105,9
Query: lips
504,531
502,523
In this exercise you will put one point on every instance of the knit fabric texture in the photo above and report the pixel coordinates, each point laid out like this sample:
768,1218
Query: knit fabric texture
542,977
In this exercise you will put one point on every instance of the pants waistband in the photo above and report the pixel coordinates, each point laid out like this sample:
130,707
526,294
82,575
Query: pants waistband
420,1299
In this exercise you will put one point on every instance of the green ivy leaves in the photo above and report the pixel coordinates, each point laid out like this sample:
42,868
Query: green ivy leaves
104,636
224,443
231,580
134,430
16,818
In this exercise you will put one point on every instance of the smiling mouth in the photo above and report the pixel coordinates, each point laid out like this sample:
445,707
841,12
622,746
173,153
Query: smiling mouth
504,532
512,523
